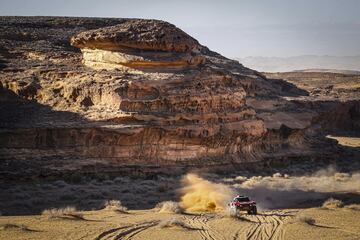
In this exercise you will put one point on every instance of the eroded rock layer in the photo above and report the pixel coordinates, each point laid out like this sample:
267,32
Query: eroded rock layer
135,93
139,44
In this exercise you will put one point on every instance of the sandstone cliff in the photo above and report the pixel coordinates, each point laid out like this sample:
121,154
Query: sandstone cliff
105,95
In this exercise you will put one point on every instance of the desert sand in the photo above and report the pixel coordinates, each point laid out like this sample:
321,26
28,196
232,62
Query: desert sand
342,223
202,213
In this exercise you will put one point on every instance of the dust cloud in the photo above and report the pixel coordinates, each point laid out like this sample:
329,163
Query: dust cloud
323,181
198,194
270,192
279,191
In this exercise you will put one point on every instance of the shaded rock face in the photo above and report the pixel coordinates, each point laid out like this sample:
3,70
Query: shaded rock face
134,94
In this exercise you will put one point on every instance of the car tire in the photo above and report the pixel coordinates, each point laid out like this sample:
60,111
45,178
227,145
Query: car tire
254,210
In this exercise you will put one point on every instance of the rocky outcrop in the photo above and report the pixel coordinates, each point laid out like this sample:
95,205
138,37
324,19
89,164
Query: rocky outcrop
153,96
324,86
139,44
138,94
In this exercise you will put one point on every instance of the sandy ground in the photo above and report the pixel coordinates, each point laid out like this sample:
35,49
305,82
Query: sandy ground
346,141
289,208
340,223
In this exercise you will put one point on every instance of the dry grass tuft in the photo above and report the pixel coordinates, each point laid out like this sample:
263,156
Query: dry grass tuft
115,205
332,203
240,179
169,207
342,177
277,175
67,212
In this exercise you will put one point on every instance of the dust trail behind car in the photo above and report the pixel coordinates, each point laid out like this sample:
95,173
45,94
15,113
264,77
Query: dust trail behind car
284,191
199,194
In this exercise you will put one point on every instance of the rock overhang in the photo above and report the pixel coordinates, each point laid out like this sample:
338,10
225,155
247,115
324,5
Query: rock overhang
139,44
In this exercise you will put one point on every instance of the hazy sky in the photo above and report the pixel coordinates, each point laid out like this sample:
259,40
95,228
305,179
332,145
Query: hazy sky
235,28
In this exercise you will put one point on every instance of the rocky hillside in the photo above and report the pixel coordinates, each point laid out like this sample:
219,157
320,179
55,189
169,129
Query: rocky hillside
133,96
324,85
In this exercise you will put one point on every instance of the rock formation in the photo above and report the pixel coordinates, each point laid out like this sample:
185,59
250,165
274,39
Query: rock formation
140,94
139,44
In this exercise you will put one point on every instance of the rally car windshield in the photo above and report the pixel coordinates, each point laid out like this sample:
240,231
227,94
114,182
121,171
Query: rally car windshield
242,199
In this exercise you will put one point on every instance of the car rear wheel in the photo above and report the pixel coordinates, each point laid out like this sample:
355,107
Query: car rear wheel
255,210
252,211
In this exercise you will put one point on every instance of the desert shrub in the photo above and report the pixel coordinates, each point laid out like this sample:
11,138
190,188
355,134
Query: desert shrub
11,226
306,219
240,179
67,212
169,207
332,203
342,177
115,205
228,180
277,175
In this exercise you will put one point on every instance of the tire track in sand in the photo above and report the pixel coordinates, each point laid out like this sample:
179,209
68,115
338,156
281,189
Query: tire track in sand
200,222
265,226
125,232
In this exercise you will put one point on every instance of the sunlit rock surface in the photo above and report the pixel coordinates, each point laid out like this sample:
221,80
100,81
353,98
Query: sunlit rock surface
139,44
